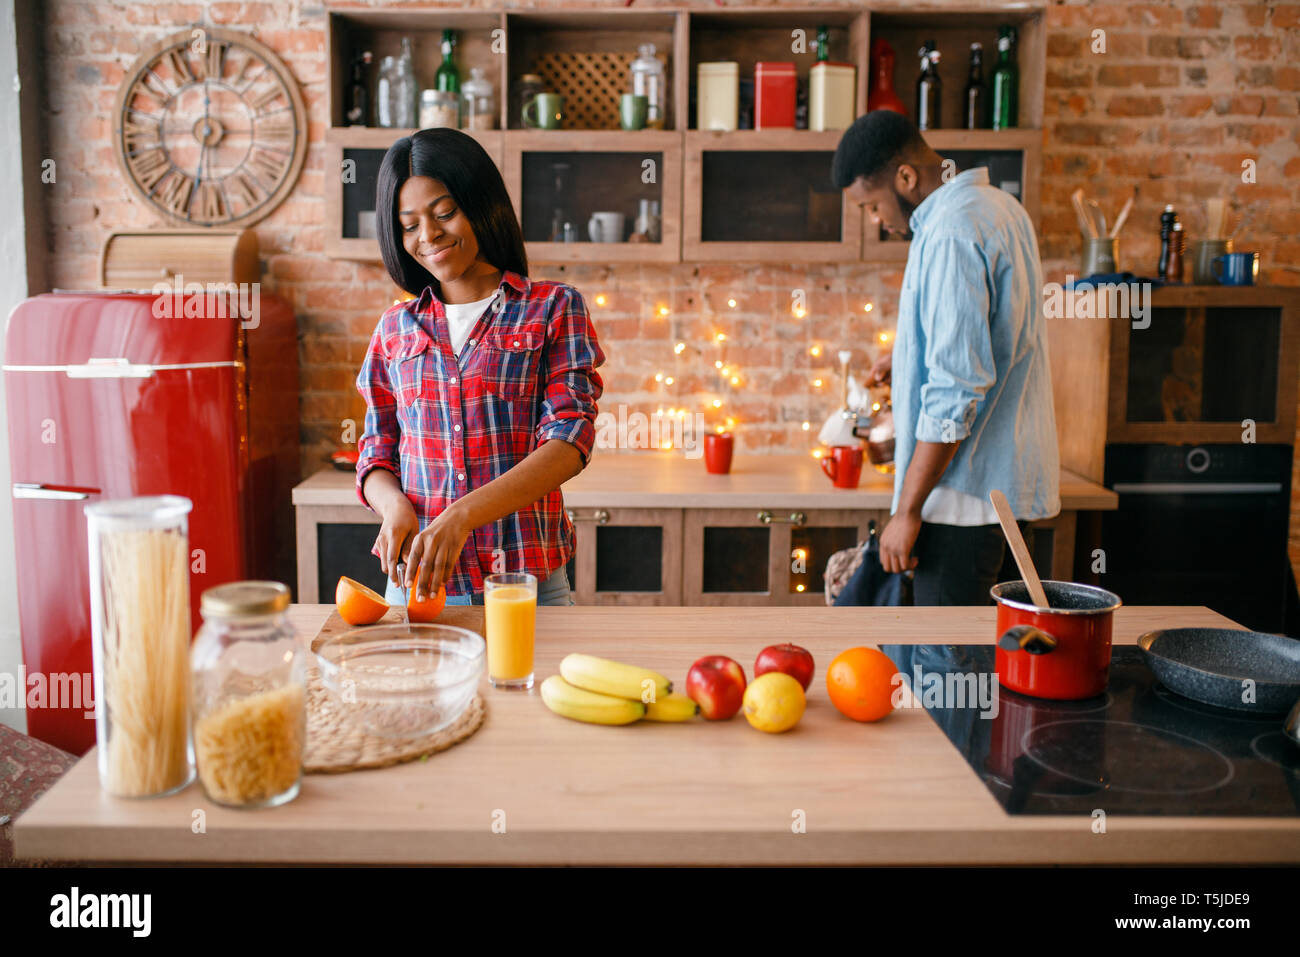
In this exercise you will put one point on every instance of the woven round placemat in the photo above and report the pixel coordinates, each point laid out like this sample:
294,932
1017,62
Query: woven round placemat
336,744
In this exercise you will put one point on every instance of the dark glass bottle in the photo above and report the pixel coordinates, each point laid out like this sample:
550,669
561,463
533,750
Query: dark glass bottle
448,77
975,97
1006,82
358,108
1167,220
929,89
823,44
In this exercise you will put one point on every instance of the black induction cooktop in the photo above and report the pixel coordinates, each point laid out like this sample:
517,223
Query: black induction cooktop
1137,749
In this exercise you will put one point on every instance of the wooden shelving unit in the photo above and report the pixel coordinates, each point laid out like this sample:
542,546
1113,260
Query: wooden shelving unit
692,166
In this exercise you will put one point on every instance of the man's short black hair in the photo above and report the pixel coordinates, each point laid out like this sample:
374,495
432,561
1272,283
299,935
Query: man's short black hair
874,144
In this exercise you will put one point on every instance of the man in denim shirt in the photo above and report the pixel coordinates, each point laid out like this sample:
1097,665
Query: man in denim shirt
972,390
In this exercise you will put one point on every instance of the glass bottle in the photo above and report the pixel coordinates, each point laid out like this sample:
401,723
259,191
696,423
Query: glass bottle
385,101
250,696
404,90
478,102
358,103
448,77
647,72
929,89
974,99
140,636
1006,82
823,44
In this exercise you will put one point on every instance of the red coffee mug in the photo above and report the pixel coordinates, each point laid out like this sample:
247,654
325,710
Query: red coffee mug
1061,652
718,447
843,465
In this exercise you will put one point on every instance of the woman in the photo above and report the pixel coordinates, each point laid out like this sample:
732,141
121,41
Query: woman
480,393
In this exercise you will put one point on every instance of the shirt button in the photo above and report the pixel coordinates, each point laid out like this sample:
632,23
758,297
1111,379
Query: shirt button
453,380
470,343
460,477
455,428
516,343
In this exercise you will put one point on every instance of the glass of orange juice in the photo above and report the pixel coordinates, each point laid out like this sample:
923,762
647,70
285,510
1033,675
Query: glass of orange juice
510,610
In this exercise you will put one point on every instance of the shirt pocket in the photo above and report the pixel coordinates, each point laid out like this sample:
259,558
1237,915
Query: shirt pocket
512,364
408,376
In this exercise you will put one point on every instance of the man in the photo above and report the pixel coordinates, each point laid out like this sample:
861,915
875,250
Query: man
971,386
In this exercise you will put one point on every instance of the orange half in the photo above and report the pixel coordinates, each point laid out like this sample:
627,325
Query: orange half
357,604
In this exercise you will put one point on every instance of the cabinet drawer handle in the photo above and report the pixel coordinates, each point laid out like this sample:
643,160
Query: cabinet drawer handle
796,518
600,516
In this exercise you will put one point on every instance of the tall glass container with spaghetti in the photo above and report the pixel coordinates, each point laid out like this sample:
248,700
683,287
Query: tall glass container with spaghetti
140,633
250,701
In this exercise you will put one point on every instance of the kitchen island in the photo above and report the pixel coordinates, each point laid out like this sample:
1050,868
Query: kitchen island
670,533
893,792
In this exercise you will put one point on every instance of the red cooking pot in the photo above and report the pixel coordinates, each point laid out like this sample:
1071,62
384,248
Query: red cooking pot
1061,652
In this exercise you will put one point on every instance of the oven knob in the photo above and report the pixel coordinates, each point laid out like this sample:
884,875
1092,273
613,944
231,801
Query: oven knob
1198,460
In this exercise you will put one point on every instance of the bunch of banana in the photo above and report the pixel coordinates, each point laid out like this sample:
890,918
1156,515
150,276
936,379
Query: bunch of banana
600,691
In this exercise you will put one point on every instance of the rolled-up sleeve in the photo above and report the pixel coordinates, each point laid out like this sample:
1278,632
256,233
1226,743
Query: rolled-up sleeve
572,385
378,445
954,315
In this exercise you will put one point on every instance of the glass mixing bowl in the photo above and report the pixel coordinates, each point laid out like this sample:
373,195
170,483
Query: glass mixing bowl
400,682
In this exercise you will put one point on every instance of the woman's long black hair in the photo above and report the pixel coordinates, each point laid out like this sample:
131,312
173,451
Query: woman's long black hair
475,184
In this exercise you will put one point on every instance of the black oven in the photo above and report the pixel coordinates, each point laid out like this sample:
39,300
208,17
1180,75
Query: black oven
1200,525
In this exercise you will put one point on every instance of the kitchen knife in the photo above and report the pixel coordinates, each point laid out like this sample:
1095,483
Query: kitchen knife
403,612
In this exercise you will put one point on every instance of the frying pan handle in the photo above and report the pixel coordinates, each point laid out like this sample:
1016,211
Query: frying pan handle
1027,638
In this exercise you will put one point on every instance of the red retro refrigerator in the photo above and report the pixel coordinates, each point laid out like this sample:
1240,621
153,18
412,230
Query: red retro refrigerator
113,395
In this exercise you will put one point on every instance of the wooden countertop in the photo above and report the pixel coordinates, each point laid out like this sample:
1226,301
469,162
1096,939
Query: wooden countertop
895,792
670,480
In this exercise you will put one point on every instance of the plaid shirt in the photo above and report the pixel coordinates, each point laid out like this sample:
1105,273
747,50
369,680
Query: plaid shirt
446,426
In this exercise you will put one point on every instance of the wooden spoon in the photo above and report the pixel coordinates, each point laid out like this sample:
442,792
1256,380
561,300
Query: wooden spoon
1018,548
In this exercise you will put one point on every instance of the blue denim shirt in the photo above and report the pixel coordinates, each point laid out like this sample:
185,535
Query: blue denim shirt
970,358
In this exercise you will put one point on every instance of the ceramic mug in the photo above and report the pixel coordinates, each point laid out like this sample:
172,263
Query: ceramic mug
544,112
605,227
718,448
843,466
1236,269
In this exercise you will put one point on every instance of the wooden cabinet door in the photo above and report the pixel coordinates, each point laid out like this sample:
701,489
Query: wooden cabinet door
627,556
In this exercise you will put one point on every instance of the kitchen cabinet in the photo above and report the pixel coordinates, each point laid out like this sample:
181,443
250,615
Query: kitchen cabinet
627,556
742,195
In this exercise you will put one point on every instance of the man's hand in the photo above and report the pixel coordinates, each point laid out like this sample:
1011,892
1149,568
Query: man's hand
882,370
897,541
435,551
399,525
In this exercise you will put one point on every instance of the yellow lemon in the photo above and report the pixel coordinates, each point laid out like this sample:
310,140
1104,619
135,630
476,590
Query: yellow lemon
774,702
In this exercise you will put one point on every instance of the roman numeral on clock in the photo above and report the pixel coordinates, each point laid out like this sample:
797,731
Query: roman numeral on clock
175,194
180,68
149,167
212,205
266,164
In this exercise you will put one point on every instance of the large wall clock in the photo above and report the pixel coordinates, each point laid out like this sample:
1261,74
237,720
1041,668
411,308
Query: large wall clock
210,128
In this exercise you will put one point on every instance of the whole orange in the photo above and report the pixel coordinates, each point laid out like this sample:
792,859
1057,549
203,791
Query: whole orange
429,609
860,682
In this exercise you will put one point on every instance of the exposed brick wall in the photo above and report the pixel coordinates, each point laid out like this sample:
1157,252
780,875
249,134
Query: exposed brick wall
1183,94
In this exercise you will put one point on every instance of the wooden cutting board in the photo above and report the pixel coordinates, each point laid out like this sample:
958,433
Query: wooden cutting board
459,616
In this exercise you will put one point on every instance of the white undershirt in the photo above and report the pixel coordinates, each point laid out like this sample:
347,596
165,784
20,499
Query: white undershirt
947,506
461,317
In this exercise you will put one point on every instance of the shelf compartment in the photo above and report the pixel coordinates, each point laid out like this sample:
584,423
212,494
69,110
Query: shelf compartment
954,32
535,33
766,195
607,171
627,556
343,201
749,36
381,32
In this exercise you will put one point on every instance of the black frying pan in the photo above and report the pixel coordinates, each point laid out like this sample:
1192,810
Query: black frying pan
1212,665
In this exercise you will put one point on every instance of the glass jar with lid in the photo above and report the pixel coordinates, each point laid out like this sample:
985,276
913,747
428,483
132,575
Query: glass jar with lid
250,696
478,101
648,80
439,108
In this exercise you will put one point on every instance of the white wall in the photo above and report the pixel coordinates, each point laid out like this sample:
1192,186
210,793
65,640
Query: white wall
18,275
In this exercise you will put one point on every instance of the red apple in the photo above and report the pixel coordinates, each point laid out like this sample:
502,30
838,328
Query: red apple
788,659
717,684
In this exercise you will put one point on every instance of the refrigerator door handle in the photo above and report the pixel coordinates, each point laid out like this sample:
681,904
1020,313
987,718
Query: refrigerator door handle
66,494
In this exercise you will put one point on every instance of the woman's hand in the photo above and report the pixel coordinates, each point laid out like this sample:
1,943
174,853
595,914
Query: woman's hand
882,370
435,551
399,526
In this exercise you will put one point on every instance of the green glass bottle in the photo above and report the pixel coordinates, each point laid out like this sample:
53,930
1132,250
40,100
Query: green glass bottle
448,77
823,44
1006,82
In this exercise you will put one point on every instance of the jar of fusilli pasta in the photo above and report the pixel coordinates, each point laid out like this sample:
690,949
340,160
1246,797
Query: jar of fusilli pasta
250,696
